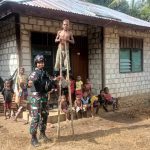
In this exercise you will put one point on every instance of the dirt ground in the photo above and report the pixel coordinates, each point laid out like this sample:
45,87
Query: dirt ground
121,130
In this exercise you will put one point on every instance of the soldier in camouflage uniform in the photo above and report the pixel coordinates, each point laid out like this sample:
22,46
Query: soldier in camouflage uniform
40,85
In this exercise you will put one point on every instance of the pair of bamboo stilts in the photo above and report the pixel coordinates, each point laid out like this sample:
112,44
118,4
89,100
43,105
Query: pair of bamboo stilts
69,91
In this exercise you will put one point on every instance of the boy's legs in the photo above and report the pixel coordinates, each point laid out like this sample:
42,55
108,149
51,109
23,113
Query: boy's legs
97,108
5,109
57,62
9,108
18,112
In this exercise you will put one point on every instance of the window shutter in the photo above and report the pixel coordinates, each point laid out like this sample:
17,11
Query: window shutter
136,60
125,63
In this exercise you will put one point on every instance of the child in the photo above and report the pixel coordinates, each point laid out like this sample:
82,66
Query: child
7,93
64,86
94,104
101,100
88,86
22,91
79,86
78,106
85,102
109,100
21,82
65,107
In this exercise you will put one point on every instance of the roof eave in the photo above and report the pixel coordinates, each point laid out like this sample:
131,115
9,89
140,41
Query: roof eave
13,7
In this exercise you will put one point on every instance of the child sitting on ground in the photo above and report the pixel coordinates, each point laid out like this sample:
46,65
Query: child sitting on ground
78,106
101,100
79,86
7,93
85,102
109,100
64,107
88,87
94,104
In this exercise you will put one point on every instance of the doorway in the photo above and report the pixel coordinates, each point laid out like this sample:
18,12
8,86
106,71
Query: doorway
44,43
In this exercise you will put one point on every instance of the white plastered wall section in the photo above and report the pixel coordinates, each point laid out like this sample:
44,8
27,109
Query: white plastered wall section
124,84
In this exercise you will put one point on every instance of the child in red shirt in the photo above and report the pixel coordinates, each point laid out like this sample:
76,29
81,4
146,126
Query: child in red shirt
78,106
109,100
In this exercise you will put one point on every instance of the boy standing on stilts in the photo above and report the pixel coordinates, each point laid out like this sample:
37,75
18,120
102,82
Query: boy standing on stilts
64,37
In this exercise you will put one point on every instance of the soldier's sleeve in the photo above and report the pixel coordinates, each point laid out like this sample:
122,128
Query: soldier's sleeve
33,76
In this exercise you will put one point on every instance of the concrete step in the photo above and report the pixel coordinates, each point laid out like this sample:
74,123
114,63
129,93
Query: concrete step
52,117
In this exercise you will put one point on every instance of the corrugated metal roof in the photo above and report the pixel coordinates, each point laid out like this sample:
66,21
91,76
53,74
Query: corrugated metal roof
87,9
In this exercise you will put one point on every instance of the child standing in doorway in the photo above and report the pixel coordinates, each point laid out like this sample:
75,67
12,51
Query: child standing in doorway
79,86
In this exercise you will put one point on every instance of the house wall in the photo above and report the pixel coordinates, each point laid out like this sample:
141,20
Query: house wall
8,48
124,84
95,58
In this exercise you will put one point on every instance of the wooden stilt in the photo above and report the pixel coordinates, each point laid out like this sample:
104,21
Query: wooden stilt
69,89
59,104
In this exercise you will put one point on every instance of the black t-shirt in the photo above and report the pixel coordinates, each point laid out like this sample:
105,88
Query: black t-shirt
7,94
101,99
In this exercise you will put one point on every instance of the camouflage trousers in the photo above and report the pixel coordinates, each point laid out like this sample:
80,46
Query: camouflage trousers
39,114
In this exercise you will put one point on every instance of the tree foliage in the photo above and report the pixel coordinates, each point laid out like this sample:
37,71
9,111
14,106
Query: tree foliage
136,8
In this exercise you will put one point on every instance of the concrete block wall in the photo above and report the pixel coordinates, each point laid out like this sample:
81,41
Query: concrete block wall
29,24
8,48
125,84
94,56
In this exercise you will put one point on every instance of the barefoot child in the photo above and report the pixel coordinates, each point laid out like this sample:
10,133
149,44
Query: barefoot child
109,100
65,107
78,106
7,93
101,100
85,102
22,91
64,38
94,104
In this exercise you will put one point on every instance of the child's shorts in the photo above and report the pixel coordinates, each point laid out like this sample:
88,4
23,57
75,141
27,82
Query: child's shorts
79,92
7,105
78,109
86,107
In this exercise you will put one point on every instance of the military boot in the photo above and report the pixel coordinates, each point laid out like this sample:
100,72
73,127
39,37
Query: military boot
43,137
34,141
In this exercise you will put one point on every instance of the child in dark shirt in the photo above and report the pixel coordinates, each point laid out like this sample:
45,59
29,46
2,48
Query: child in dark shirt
64,107
7,93
101,100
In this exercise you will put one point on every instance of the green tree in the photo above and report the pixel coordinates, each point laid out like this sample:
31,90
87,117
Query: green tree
145,10
136,8
120,5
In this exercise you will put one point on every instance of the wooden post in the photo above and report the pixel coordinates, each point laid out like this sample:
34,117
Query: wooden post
69,89
59,104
